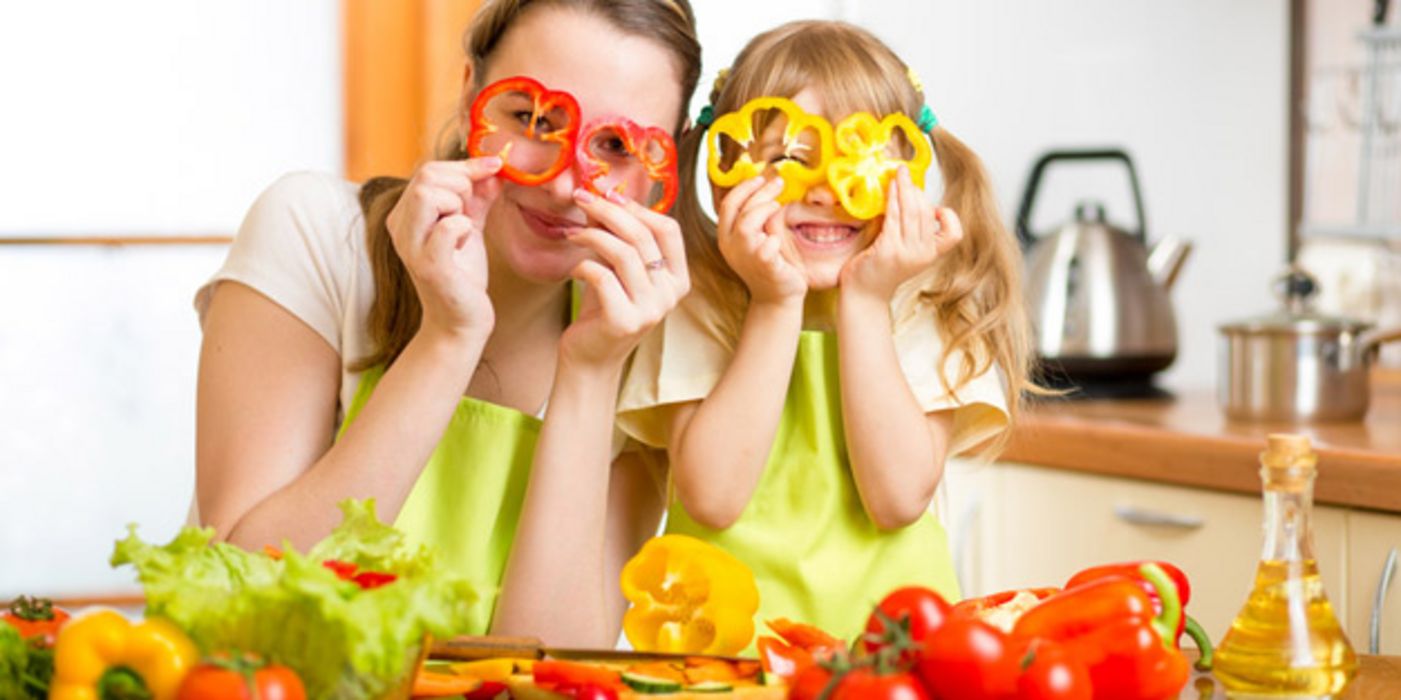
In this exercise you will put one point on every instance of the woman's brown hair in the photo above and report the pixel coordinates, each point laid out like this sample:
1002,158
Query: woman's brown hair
974,290
395,314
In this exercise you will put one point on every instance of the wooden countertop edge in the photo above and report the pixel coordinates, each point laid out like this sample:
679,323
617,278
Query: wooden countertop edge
1347,477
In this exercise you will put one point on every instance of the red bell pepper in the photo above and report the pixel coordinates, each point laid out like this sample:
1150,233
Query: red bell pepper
1133,570
783,660
543,101
651,146
552,675
1111,625
807,637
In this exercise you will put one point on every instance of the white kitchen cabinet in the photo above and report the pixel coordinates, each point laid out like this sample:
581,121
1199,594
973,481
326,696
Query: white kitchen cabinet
1037,526
1372,538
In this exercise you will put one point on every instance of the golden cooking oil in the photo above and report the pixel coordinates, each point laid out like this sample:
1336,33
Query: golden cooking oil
1286,640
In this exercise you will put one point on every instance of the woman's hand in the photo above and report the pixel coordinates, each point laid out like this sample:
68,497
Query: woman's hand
914,234
637,279
436,228
753,240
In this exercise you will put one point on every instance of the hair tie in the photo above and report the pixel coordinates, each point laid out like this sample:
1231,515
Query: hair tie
706,117
927,121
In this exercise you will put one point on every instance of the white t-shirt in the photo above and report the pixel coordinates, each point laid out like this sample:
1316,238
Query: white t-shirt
302,245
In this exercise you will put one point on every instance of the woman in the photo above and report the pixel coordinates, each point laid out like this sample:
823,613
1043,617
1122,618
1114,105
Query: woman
401,346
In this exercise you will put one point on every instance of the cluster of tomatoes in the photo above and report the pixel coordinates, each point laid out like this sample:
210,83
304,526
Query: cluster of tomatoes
917,647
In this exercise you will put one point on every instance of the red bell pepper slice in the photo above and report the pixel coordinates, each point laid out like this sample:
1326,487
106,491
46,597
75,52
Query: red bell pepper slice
543,101
807,637
566,674
783,660
651,147
977,607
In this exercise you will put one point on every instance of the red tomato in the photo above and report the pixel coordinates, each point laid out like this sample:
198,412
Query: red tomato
344,569
373,579
35,617
1053,674
968,660
220,679
925,609
590,691
865,684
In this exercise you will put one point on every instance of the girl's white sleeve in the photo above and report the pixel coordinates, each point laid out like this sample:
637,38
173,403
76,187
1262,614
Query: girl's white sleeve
681,360
979,406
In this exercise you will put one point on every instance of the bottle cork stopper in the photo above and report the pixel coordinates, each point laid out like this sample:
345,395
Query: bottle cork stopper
1289,451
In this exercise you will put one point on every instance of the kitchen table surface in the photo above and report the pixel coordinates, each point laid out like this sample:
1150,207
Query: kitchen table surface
1378,678
1188,440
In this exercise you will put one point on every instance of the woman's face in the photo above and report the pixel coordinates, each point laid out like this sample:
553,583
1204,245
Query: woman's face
609,73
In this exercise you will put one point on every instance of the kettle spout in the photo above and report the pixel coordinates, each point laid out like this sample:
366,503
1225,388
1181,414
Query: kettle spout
1166,258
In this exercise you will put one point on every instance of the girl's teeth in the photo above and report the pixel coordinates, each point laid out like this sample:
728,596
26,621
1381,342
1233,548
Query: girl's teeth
826,234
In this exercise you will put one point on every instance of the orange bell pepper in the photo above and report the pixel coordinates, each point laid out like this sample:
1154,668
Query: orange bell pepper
688,597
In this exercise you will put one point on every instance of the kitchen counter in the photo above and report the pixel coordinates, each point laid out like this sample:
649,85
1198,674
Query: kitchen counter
1187,440
1378,678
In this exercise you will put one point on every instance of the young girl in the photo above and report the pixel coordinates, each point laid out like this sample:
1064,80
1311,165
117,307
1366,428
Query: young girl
413,341
810,389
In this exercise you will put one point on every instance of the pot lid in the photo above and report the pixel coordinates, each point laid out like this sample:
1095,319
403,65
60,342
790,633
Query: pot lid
1296,289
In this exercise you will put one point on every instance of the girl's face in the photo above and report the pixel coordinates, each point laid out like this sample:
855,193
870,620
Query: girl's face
822,234
609,73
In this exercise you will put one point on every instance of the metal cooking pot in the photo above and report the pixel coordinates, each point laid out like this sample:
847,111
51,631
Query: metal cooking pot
1296,364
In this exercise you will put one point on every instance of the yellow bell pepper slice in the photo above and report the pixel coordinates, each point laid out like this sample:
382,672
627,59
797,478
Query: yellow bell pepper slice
739,126
861,172
688,597
92,645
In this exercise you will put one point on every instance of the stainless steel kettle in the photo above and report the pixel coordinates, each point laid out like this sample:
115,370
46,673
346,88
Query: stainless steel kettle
1097,295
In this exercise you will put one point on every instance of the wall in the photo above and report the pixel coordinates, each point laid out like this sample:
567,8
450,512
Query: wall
149,118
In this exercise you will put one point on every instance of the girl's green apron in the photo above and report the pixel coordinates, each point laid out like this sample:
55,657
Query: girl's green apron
817,556
468,499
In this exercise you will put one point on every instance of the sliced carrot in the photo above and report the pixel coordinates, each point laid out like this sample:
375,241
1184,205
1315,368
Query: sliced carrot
660,669
431,684
719,671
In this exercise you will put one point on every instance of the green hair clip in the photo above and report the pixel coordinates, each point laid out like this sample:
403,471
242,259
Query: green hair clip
927,121
706,117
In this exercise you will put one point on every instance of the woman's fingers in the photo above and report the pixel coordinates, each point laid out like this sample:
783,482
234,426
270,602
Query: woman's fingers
614,216
611,295
618,256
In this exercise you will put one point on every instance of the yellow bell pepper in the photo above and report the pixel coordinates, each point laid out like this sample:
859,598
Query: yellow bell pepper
688,597
861,172
739,126
93,647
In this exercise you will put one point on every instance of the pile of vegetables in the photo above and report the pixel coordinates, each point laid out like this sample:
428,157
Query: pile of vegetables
346,620
1111,634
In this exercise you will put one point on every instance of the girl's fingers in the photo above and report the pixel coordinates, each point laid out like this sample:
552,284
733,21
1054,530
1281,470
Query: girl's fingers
622,258
755,217
894,224
950,229
614,216
730,204
911,212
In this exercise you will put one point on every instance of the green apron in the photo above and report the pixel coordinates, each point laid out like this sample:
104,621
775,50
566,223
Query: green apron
467,501
817,557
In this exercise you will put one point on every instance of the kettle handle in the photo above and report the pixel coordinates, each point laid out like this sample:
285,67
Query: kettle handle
1024,233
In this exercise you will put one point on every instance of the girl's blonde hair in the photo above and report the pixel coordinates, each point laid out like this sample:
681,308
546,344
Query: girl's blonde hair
395,314
974,290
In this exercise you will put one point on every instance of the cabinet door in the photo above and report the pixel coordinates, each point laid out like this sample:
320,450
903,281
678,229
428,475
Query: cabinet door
1042,525
1372,537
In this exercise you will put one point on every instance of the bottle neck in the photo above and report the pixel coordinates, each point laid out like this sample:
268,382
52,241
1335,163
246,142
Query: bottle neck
1288,522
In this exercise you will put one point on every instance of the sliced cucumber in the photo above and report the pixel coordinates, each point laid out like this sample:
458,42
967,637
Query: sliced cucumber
650,684
710,687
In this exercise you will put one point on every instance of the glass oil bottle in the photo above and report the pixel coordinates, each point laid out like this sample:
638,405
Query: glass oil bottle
1286,640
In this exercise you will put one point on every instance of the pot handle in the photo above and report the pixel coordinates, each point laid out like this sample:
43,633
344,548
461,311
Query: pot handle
1371,339
1024,233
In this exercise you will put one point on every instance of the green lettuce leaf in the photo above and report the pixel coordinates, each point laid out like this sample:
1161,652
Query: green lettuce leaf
344,642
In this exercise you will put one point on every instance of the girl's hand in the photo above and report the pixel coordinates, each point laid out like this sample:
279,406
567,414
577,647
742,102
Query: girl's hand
638,278
436,228
753,240
913,235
